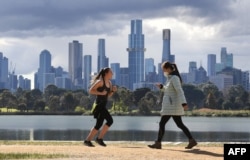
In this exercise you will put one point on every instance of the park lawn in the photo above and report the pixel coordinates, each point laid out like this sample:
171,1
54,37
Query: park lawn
4,109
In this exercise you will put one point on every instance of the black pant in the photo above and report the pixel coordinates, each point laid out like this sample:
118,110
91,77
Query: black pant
178,122
104,114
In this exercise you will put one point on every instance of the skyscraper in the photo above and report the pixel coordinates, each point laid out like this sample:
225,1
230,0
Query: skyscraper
44,67
3,71
211,63
150,73
116,73
87,70
75,64
166,52
136,53
226,59
25,84
103,61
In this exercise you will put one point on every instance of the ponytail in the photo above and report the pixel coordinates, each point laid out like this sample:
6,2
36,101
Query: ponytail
176,71
101,74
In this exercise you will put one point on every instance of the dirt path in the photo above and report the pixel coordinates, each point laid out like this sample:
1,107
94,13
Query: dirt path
121,151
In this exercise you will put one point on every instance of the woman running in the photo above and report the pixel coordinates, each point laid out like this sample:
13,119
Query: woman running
173,104
102,88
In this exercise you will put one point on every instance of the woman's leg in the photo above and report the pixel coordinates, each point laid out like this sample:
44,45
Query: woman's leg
180,124
106,115
94,130
157,144
164,120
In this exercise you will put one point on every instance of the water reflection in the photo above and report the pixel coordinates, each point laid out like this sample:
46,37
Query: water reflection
130,135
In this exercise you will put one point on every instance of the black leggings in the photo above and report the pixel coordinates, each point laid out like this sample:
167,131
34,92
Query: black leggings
103,115
178,122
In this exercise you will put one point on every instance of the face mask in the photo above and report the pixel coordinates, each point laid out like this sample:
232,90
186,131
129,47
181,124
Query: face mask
166,74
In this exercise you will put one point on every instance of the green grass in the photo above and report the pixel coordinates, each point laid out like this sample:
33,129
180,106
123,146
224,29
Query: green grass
9,110
30,156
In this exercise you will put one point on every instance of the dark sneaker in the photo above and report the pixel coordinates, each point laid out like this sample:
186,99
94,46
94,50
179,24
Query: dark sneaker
100,142
88,143
156,145
191,144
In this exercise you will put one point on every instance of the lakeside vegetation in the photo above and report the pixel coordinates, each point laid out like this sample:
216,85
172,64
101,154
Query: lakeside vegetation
203,100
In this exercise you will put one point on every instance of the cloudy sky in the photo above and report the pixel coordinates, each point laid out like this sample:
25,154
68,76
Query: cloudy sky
198,28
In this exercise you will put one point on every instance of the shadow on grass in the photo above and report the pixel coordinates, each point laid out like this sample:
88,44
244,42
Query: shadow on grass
199,151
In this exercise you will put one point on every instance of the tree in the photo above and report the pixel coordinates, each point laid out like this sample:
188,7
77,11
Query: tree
49,91
21,107
138,94
53,103
69,102
237,95
194,96
144,107
39,105
210,101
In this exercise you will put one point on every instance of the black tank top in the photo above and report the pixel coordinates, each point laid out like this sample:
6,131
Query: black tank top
101,89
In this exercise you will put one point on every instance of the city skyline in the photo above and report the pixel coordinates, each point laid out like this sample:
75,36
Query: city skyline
197,29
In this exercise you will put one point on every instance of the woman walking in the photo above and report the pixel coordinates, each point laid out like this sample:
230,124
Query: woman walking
173,104
101,87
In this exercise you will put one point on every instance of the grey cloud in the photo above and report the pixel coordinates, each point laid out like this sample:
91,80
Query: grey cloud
74,17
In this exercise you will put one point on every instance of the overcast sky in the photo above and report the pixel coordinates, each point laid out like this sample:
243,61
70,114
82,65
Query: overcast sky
198,28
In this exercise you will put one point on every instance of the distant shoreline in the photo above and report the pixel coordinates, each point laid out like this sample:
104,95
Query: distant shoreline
204,112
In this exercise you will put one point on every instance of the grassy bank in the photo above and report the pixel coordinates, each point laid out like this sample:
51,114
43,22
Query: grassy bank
205,112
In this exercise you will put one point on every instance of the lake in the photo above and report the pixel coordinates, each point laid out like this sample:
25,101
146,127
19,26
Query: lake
125,128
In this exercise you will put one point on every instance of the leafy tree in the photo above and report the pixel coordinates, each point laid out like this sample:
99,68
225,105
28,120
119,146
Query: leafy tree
39,105
211,101
49,91
68,102
237,95
138,94
144,107
86,102
5,96
53,103
193,95
21,107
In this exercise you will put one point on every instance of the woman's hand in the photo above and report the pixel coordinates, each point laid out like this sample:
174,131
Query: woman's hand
114,88
159,85
185,107
103,93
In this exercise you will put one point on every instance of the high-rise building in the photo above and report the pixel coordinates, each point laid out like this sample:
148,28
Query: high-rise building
75,64
192,67
166,52
245,80
116,73
3,71
87,70
124,77
13,82
150,73
201,76
136,51
222,81
211,64
44,67
24,83
103,61
226,59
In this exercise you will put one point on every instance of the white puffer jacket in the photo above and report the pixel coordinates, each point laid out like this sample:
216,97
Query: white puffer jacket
173,97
